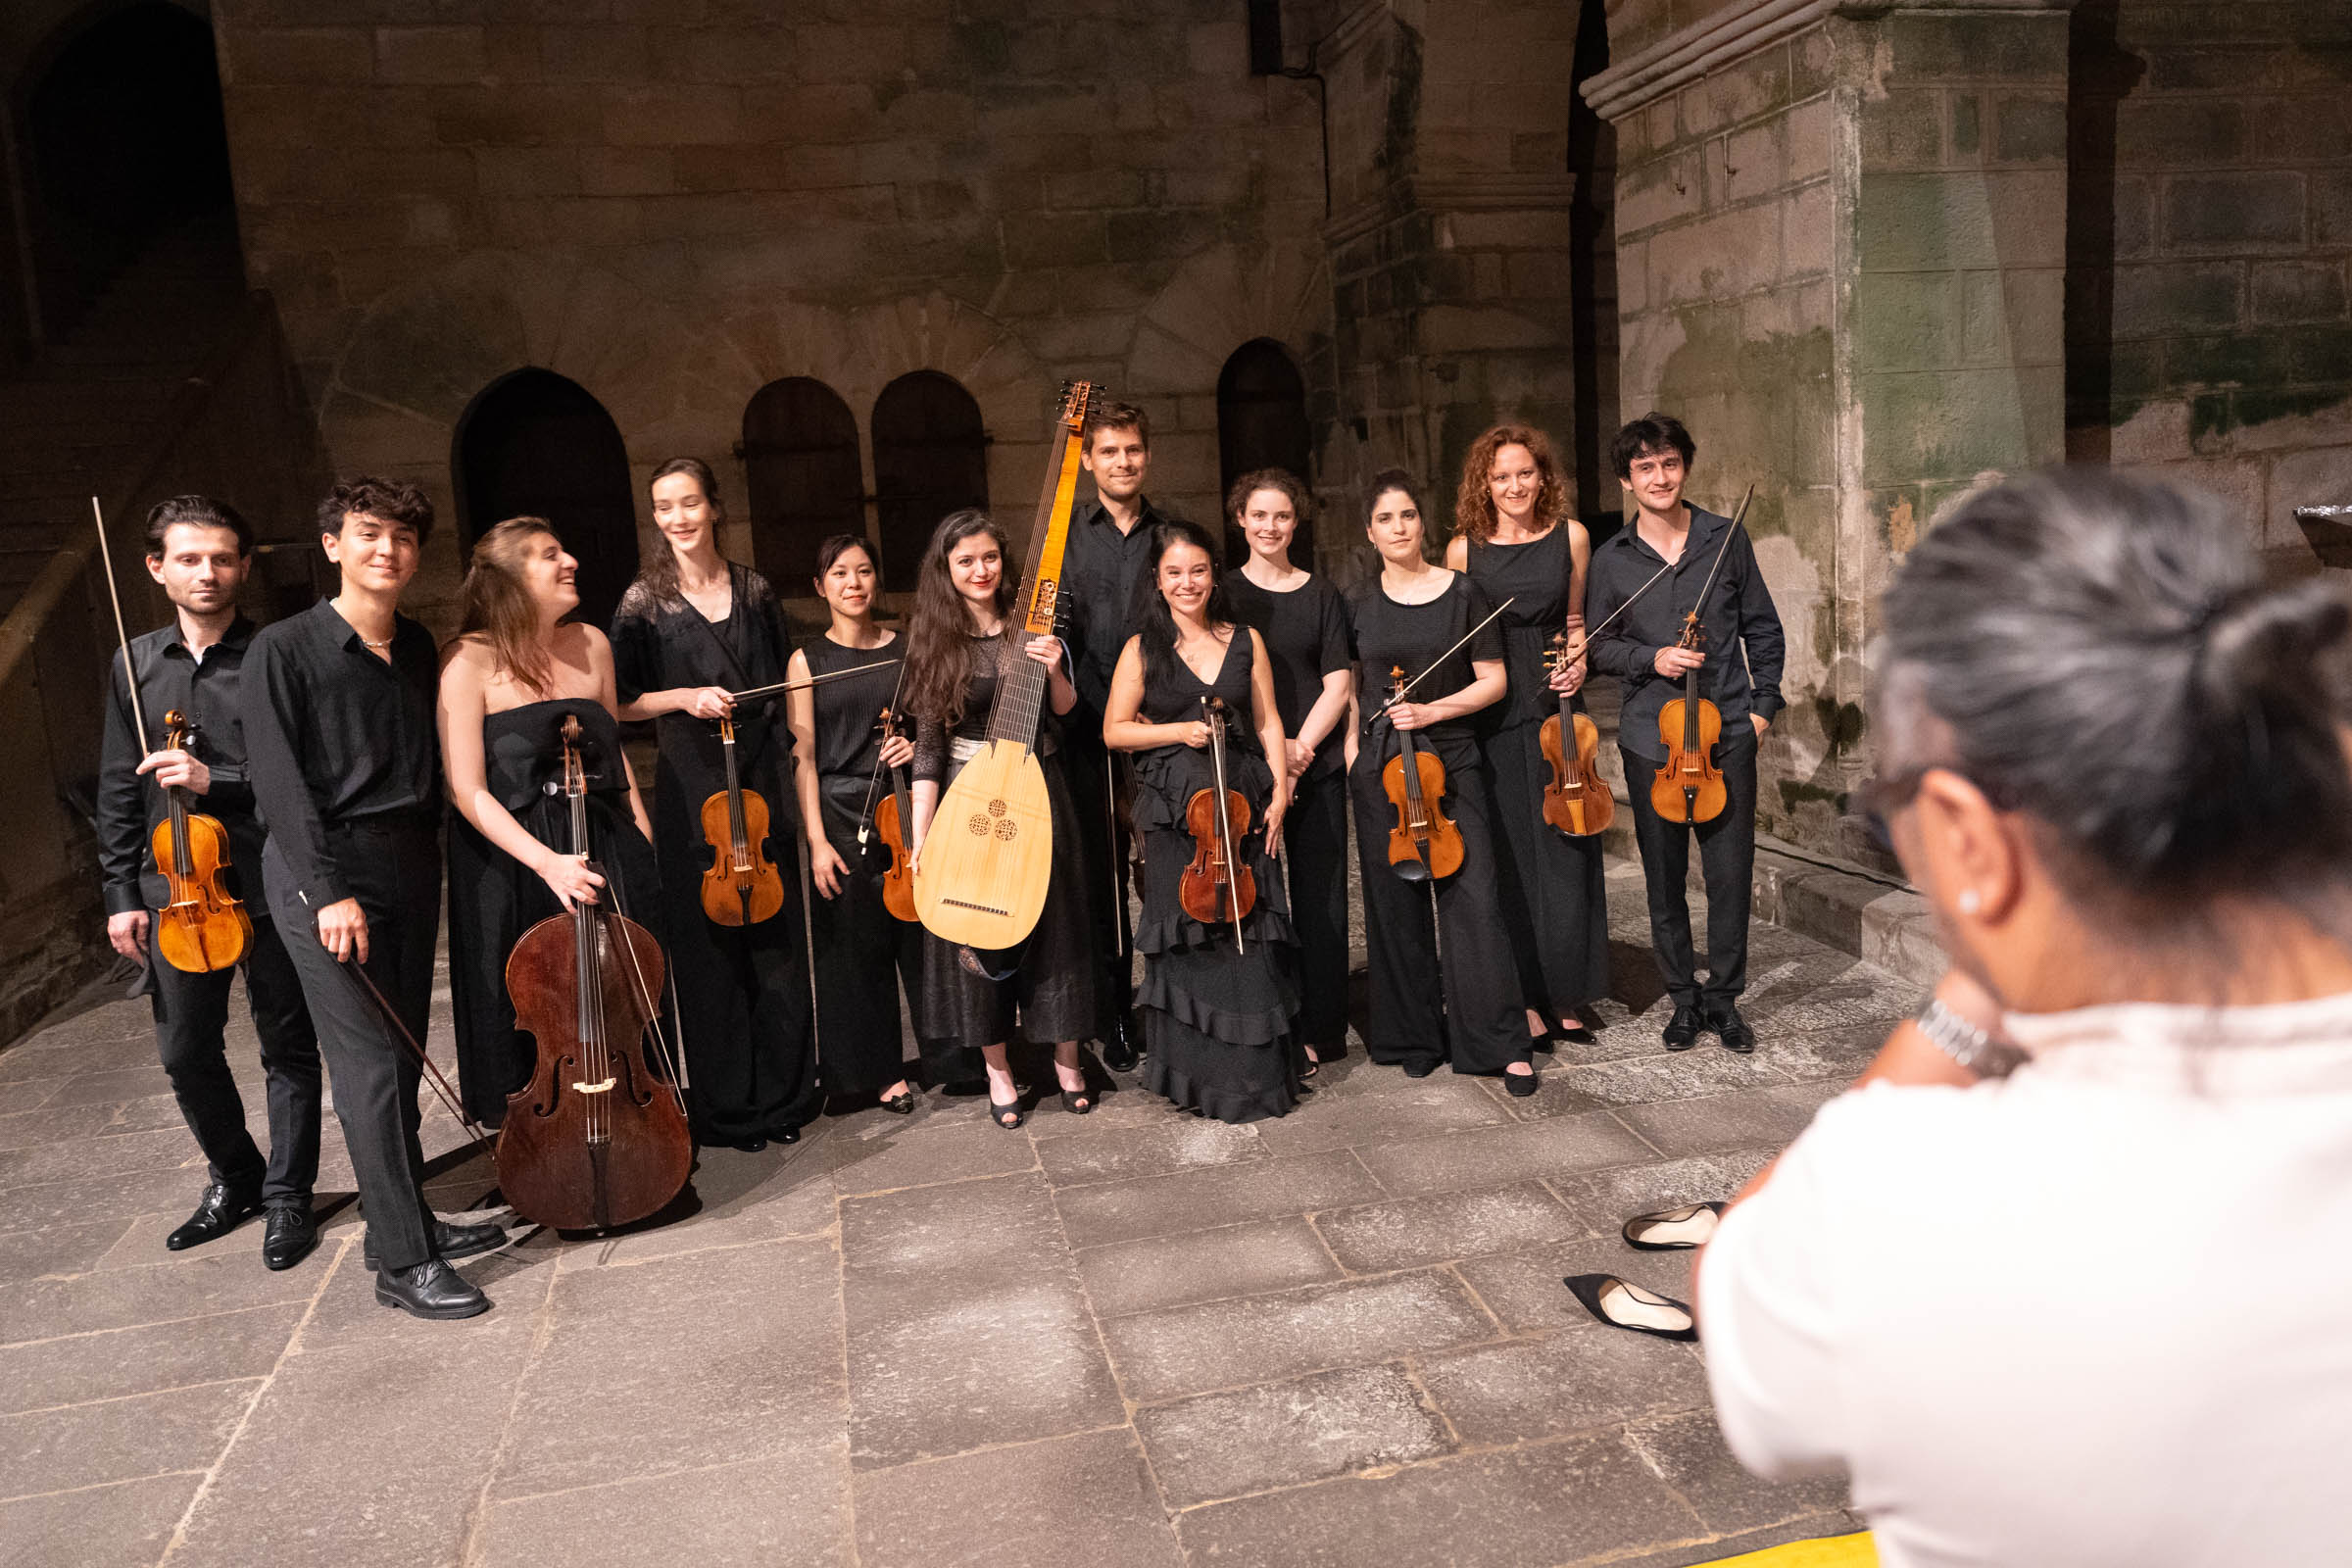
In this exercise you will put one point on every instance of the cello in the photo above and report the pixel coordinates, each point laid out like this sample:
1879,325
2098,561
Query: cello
594,1138
1425,842
743,886
1215,886
1575,801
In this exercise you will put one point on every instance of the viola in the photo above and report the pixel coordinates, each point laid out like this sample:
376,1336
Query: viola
1575,799
595,1138
1425,842
203,928
1690,787
743,886
892,814
1215,886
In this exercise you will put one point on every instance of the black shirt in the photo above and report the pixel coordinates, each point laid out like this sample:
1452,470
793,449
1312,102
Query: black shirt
1305,630
1738,617
1102,568
335,735
129,806
1390,634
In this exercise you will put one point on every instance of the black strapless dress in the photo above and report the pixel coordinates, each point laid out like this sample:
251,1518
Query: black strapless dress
493,899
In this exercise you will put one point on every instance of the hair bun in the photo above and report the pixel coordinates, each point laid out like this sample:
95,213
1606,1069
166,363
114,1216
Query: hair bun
2273,638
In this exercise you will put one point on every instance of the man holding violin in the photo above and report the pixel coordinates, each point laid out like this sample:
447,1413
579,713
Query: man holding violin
1645,584
200,550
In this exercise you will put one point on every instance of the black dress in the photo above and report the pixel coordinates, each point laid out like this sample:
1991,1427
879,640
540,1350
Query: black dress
743,990
862,951
1050,992
1305,631
1218,1020
1552,886
494,898
1474,1019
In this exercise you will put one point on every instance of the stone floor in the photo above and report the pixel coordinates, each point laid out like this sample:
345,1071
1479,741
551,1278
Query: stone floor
1130,1339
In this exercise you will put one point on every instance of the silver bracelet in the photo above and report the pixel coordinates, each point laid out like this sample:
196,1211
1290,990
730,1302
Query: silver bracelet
1966,1044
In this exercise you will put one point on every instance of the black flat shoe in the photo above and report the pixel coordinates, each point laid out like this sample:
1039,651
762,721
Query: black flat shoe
1628,1307
431,1289
449,1241
222,1209
1681,1030
1673,1230
784,1135
1522,1084
1419,1069
1731,1029
288,1235
999,1109
901,1104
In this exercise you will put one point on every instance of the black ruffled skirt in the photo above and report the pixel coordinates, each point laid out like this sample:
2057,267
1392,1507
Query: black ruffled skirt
1218,1016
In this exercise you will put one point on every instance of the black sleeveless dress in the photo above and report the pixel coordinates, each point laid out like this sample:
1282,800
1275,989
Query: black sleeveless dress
862,952
1551,886
1218,1020
493,899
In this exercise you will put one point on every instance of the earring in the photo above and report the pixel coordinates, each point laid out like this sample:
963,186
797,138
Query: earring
1970,900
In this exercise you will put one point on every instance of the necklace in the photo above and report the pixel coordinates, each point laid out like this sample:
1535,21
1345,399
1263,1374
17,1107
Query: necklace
372,643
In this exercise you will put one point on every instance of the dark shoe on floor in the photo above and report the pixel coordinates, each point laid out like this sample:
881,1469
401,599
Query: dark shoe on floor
1673,1230
222,1209
449,1241
784,1135
1001,1110
1681,1030
1121,1052
1522,1084
288,1234
1731,1029
901,1104
1419,1069
432,1289
1622,1305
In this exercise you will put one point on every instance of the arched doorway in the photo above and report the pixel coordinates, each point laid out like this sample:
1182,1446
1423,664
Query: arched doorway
535,444
1261,423
930,458
800,450
124,145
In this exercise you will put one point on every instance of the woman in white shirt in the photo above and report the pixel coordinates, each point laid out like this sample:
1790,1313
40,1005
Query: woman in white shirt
2097,1311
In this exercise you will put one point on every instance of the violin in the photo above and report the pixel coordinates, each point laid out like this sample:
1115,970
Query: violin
1575,801
1690,787
1216,886
594,1139
743,886
204,928
892,814
1425,842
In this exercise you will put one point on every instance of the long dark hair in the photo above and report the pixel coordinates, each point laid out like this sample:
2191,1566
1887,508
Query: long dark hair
659,576
499,606
939,633
1155,622
2100,653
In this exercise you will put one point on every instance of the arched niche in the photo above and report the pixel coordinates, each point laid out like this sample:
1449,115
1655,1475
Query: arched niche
537,444
1261,423
799,452
930,459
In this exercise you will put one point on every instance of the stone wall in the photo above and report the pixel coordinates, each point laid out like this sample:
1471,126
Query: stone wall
2211,318
674,202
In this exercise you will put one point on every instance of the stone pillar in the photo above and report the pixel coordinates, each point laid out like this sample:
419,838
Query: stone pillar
1841,243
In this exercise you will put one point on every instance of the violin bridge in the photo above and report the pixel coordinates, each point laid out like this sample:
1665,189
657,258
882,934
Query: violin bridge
596,1088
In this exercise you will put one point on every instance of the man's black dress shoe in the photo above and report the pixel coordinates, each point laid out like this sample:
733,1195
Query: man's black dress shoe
1121,1053
432,1289
1731,1029
1681,1030
289,1234
449,1241
222,1209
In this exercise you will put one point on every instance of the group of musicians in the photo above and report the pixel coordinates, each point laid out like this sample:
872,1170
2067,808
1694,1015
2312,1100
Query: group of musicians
334,745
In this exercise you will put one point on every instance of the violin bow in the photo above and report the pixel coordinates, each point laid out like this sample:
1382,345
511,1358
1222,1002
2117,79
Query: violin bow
778,687
1594,632
130,676
440,1085
1213,710
1398,696
873,784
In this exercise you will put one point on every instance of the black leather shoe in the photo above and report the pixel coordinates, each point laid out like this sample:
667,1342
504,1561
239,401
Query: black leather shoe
222,1209
1681,1030
1731,1029
432,1289
1121,1052
288,1234
449,1241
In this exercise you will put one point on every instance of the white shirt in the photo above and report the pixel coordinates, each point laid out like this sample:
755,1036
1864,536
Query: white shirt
2099,1312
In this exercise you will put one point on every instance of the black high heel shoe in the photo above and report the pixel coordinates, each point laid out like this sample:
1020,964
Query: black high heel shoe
1623,1305
1673,1230
999,1109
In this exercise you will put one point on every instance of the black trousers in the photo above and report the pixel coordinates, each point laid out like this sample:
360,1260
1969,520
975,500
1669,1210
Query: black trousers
1086,768
1314,851
191,1014
1553,888
394,870
864,956
1726,854
1462,1005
